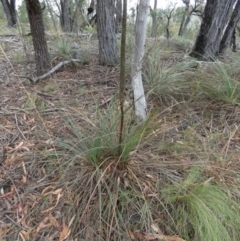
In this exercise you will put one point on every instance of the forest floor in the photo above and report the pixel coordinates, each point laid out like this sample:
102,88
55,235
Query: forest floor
32,116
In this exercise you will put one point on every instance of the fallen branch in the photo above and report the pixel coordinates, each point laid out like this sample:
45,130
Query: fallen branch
144,236
35,80
8,35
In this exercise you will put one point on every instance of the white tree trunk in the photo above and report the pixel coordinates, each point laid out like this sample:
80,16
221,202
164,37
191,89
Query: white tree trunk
137,85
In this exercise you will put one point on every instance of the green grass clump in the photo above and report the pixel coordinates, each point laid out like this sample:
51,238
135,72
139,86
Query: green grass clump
180,44
221,85
102,139
202,210
64,48
67,49
107,186
169,80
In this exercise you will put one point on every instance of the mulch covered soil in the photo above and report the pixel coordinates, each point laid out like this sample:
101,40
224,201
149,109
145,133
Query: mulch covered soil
29,116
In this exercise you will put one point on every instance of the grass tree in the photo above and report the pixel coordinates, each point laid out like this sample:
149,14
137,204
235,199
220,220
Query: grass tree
122,71
140,35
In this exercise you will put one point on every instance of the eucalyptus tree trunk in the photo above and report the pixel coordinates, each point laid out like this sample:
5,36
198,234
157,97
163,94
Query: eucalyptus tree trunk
168,15
119,13
184,17
65,16
137,85
49,7
212,27
196,8
106,31
77,14
34,11
154,20
228,33
187,21
9,8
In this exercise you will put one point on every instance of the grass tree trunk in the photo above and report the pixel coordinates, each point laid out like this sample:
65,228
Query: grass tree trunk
213,24
38,36
9,8
137,85
228,33
108,54
122,72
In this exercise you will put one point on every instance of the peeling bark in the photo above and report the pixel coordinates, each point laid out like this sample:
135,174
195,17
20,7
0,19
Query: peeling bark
137,85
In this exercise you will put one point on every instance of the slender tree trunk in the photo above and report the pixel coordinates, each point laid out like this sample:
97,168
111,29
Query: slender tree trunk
233,41
77,15
64,16
122,73
183,22
169,16
58,9
214,20
137,85
154,20
180,32
187,21
228,33
9,8
167,29
51,14
38,36
107,40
